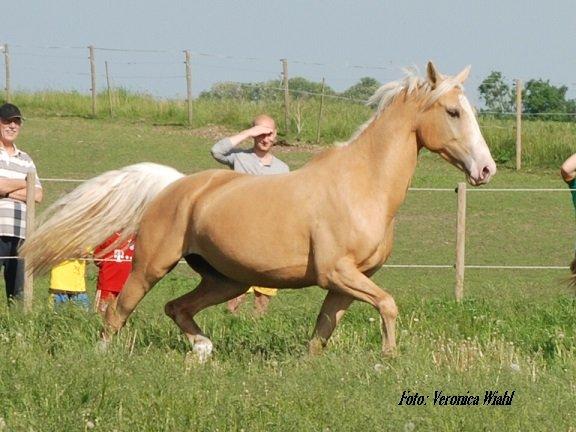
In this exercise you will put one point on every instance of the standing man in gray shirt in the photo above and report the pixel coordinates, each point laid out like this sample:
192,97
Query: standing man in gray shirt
258,160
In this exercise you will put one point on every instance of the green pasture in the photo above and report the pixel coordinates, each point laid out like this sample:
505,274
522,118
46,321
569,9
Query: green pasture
514,331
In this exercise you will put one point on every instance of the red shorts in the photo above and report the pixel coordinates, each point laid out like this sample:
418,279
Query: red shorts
106,296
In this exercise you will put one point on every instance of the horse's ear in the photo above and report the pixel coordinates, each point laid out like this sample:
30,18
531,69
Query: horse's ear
433,75
463,76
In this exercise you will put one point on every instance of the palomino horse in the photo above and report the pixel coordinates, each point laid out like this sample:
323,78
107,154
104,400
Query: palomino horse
329,223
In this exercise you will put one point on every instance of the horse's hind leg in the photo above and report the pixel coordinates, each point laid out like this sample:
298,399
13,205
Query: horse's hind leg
137,285
153,259
212,290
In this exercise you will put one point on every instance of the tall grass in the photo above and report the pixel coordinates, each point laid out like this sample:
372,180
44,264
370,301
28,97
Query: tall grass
545,143
261,379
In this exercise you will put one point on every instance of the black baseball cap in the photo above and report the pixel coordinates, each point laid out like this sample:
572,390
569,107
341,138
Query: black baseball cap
8,111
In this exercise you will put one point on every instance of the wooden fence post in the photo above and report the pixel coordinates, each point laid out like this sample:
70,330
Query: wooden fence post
93,78
30,222
286,96
460,241
320,112
8,78
518,124
109,89
188,85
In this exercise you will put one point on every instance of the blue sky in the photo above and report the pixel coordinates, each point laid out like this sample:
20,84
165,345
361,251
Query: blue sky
244,41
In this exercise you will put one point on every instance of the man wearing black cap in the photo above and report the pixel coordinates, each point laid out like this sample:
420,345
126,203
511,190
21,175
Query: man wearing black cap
14,166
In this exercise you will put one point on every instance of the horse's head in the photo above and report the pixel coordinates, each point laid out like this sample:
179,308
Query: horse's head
447,125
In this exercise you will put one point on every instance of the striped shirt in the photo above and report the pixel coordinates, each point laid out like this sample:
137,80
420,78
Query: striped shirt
13,212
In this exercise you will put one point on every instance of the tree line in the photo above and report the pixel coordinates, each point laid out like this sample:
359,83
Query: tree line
538,97
497,94
300,88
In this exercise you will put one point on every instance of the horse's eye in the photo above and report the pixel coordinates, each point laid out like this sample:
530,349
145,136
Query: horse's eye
453,112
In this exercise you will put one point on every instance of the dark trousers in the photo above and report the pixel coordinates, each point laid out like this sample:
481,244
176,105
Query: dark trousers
13,268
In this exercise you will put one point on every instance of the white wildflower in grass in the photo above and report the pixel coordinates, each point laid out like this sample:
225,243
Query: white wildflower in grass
371,319
378,367
409,427
515,367
90,424
102,346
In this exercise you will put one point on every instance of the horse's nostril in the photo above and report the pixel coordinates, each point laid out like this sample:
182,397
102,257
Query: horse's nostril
485,172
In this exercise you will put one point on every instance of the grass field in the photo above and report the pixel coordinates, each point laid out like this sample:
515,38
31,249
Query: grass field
514,331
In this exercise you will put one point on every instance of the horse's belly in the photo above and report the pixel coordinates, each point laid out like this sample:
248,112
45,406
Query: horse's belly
260,270
261,242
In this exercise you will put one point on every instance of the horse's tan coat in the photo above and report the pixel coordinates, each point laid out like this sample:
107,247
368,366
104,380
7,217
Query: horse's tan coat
329,223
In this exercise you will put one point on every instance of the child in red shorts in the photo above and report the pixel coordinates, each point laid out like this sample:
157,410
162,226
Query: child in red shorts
114,268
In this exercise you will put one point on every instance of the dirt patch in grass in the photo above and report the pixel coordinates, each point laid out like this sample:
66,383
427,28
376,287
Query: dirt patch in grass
217,132
284,147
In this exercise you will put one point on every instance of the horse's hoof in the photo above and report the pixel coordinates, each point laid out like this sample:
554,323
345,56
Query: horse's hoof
202,350
315,347
390,352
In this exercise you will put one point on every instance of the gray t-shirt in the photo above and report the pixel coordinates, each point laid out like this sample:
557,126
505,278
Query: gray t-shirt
245,161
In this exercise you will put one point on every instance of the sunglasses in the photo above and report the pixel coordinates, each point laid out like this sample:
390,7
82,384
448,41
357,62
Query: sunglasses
16,120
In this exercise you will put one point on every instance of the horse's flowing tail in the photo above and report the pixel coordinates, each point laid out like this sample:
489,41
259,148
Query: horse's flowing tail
81,220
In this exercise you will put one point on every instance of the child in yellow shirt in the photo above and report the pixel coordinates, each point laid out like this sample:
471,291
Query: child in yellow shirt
68,284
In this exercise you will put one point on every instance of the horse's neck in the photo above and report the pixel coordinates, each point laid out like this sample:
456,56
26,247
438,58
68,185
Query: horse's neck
387,152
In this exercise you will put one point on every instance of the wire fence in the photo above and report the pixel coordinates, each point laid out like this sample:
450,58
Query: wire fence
41,67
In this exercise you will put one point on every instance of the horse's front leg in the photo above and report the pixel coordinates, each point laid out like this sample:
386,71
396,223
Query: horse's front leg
333,309
347,279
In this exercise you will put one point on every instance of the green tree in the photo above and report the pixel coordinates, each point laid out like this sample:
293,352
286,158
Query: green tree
223,90
268,91
540,96
362,90
497,95
302,88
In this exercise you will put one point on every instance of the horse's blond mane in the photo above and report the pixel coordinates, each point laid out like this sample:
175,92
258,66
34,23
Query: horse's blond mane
411,84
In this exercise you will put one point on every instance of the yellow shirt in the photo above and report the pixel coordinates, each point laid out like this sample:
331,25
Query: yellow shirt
270,292
69,276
